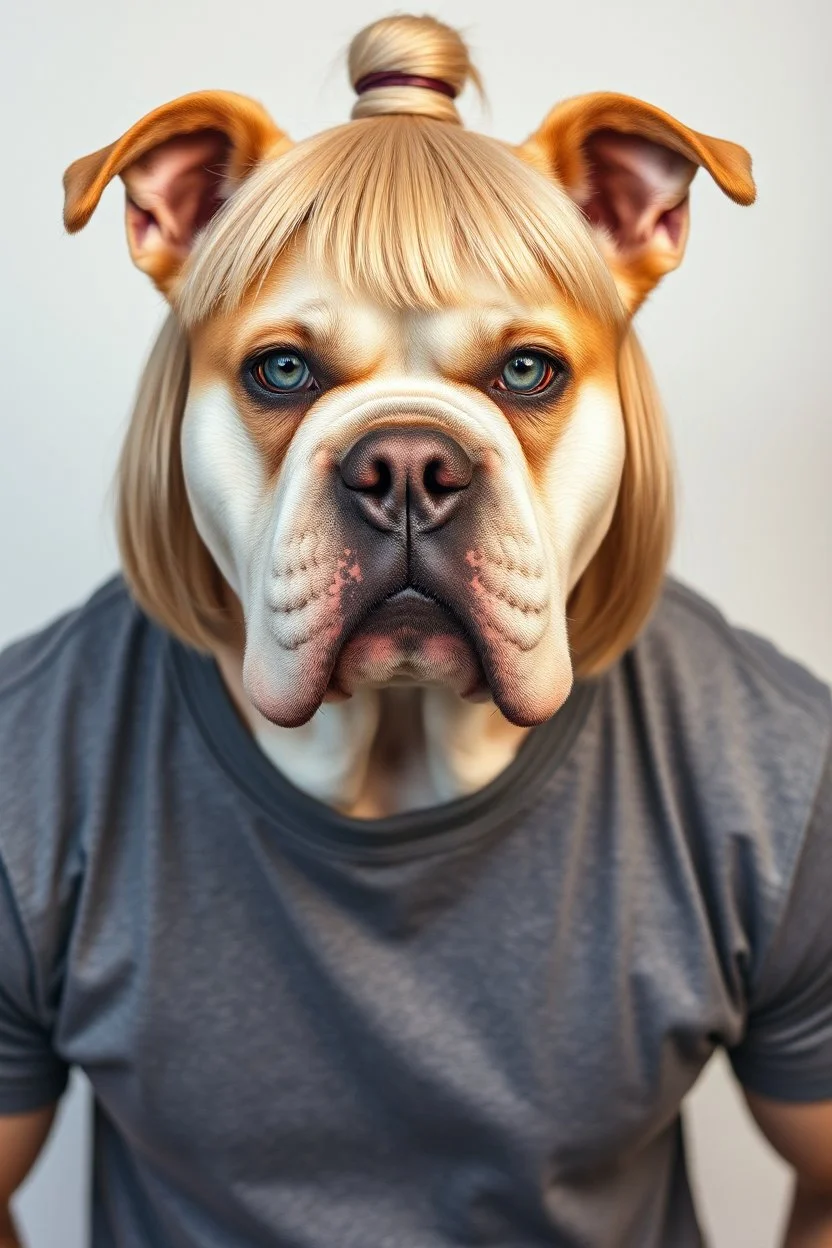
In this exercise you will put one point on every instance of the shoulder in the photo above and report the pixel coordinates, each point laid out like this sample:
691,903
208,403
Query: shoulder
691,638
729,689
70,694
734,703
66,694
65,672
65,687
73,637
736,738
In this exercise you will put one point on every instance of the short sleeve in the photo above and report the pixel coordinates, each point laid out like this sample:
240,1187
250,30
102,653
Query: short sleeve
31,1073
786,1053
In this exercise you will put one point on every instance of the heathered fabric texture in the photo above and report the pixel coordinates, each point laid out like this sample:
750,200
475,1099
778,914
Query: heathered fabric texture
473,1026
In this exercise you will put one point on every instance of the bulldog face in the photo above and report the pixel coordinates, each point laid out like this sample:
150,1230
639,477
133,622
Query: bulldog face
398,493
402,496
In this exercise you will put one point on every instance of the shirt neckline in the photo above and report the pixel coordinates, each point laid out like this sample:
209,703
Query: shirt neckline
317,827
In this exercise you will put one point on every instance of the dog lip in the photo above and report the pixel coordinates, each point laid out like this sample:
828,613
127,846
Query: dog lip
409,593
398,609
410,597
399,614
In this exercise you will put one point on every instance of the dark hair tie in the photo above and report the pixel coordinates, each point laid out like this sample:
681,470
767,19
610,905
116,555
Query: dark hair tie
392,78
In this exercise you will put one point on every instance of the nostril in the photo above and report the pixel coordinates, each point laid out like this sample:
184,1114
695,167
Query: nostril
447,474
367,473
377,482
438,480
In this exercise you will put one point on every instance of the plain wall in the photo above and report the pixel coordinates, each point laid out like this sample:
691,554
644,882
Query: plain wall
738,338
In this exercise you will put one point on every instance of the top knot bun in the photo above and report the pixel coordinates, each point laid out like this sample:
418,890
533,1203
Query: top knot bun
409,47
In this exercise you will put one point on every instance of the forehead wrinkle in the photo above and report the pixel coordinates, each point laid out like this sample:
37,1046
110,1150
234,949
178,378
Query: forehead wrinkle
314,317
502,321
300,291
490,327
279,316
333,326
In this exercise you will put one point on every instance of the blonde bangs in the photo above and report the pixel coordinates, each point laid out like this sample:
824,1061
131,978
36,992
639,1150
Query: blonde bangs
404,210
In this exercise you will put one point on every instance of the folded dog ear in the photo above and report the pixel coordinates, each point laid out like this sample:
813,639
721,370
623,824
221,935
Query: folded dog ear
179,164
629,166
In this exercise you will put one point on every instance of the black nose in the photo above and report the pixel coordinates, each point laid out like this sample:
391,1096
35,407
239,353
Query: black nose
413,476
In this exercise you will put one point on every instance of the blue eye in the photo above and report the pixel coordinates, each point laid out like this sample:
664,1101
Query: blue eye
283,372
527,372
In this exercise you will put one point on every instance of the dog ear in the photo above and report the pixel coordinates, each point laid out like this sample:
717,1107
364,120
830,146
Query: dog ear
629,167
179,164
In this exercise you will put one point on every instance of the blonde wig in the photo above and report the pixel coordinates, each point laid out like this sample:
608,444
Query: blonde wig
403,205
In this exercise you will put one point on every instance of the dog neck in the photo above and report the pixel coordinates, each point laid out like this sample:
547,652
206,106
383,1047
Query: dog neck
384,751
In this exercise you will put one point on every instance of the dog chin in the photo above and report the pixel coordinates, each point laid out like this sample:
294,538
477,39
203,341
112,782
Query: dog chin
409,640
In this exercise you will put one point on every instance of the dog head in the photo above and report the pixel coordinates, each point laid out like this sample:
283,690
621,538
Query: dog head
399,411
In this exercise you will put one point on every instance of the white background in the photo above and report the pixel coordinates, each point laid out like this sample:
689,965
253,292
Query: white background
739,338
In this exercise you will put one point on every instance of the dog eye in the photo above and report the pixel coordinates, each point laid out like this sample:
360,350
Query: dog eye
283,372
528,372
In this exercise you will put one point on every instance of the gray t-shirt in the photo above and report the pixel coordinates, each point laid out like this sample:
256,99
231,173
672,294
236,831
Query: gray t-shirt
471,1026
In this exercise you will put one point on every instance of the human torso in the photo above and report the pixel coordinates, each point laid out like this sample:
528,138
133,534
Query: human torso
472,1026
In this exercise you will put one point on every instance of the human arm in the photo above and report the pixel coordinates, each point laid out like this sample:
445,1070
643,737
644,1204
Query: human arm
32,1076
802,1135
784,1062
22,1137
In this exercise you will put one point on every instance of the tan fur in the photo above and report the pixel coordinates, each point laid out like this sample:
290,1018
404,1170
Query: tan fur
247,134
561,147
